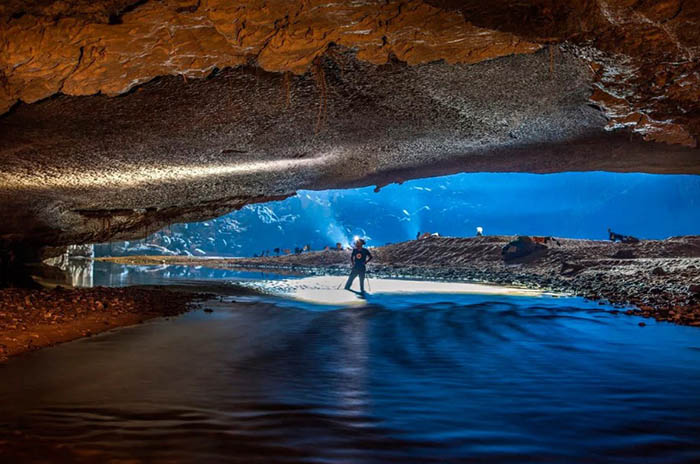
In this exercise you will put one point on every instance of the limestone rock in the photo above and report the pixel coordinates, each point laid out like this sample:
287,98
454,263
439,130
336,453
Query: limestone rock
42,55
644,55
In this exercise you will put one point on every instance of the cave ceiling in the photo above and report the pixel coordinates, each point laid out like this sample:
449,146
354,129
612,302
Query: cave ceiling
120,117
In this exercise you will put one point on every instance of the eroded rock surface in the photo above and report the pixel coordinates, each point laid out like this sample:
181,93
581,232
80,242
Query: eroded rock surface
180,110
90,169
644,53
43,54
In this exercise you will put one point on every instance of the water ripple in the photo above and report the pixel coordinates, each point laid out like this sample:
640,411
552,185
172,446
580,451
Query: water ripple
420,378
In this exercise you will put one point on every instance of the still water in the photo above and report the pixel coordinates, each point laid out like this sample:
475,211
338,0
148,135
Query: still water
106,274
405,378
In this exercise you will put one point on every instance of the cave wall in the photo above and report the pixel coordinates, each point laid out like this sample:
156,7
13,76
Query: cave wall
644,53
45,53
121,116
95,168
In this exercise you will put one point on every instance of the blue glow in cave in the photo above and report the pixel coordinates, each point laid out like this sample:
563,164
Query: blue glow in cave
574,205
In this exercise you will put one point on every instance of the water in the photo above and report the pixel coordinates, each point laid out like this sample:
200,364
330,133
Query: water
89,273
405,378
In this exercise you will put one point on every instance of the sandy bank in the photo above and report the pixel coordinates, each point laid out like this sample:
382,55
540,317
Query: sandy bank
661,278
327,290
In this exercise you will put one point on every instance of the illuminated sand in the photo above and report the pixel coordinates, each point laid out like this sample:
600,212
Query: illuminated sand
328,290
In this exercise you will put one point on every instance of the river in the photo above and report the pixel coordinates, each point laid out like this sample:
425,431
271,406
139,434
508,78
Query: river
430,376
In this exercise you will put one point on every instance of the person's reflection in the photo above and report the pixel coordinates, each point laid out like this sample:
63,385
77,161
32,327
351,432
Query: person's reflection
353,362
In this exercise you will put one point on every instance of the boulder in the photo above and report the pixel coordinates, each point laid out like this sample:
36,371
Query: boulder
624,254
568,268
658,271
521,247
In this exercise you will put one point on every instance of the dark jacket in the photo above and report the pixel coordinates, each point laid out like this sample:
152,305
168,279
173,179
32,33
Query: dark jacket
360,257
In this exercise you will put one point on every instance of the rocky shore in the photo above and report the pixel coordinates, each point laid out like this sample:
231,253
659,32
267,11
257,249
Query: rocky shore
32,319
652,278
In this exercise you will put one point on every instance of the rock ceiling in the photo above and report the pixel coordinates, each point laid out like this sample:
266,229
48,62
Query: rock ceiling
122,116
644,54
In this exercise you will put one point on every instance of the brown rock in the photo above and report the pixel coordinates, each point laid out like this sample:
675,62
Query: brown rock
76,56
644,57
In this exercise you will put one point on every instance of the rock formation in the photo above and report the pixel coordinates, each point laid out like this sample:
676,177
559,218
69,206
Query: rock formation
123,116
644,54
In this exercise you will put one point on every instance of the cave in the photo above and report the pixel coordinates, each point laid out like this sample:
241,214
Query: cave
122,121
122,117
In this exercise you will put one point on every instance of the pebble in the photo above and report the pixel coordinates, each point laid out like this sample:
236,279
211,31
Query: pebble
25,309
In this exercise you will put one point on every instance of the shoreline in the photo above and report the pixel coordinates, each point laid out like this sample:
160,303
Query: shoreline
31,319
655,278
658,278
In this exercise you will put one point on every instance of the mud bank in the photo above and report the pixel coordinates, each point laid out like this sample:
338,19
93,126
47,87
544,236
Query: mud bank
660,278
33,319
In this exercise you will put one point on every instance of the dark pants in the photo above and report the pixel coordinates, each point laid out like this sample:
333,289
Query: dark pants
356,271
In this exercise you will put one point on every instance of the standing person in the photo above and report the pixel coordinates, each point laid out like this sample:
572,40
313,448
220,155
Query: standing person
359,258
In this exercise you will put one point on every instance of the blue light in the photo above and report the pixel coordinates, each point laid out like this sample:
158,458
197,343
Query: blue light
574,205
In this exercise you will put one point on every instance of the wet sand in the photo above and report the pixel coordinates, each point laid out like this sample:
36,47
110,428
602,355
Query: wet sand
33,319
660,278
328,290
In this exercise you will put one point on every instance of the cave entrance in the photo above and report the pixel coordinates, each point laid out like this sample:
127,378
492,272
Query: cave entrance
543,301
569,205
575,205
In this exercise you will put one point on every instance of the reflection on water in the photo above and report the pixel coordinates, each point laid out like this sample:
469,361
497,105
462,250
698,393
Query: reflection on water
108,274
407,378
67,269
80,272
